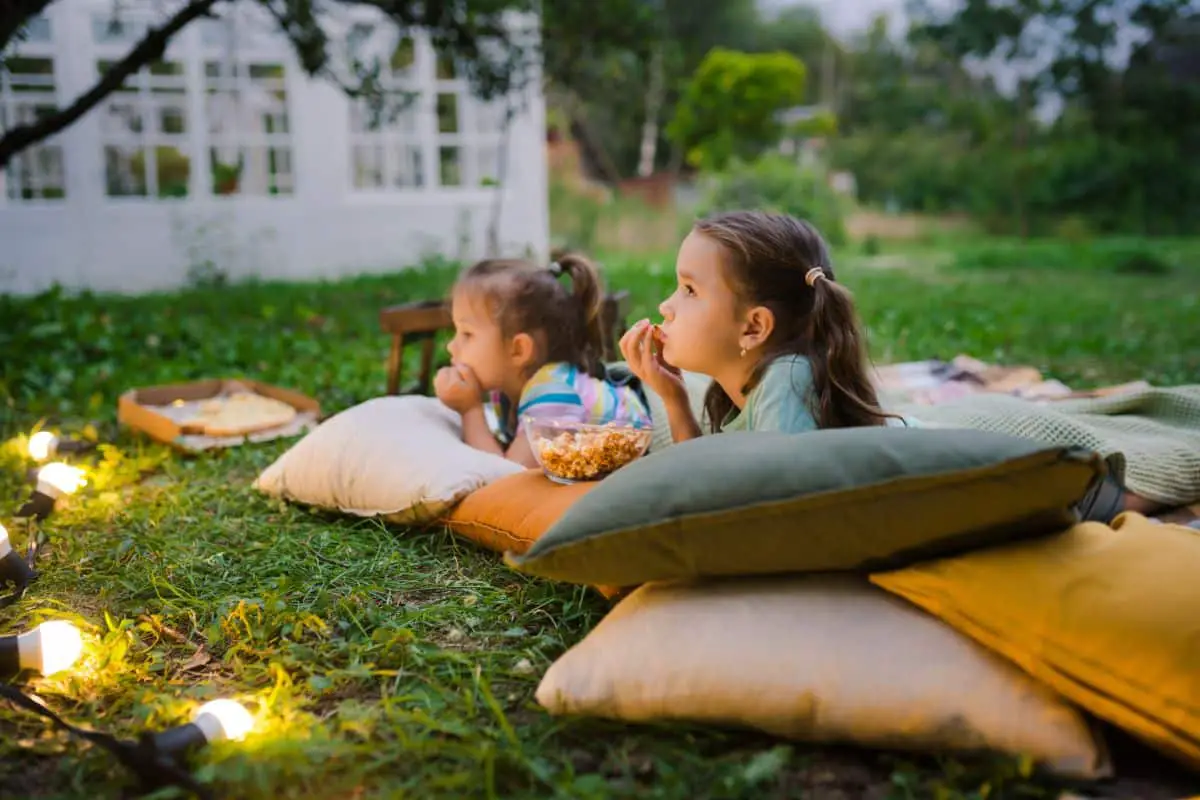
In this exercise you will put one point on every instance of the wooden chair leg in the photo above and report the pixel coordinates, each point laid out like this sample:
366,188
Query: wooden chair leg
395,364
427,347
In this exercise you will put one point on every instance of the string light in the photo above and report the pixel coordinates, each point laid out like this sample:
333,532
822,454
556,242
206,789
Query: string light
53,481
44,445
49,648
215,721
56,645
13,568
154,769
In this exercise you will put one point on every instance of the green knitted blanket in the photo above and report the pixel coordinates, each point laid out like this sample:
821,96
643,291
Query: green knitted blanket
1150,437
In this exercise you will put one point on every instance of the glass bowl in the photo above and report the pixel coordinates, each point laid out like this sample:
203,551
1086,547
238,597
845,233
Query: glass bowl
574,451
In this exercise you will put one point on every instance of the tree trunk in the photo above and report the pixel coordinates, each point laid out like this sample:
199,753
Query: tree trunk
654,101
1021,146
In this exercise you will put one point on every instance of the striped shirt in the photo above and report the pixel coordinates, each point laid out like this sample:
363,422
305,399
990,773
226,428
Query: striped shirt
563,391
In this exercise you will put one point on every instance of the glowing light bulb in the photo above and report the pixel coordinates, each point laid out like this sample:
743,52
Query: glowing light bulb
223,719
49,648
42,445
57,479
212,722
12,567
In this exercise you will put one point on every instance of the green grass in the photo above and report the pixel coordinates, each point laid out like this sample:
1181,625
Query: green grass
401,663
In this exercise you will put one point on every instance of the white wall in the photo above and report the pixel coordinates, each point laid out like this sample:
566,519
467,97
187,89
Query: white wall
326,228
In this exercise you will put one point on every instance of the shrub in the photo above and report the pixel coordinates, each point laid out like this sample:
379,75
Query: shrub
777,183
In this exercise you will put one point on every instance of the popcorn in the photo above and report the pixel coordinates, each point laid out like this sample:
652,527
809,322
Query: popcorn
591,453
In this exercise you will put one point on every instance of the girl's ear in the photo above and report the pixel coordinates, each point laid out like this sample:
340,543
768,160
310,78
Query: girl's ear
522,350
757,327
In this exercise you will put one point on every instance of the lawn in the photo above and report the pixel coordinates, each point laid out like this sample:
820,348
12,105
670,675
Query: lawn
383,662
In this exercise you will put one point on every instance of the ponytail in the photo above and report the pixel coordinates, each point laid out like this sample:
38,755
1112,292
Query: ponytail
843,394
589,303
527,298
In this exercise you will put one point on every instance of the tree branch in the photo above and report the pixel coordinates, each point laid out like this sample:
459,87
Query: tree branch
148,50
14,14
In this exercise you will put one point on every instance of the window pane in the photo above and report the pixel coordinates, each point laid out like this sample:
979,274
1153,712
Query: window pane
368,166
173,169
447,112
403,57
488,165
171,110
125,172
225,166
109,28
279,167
38,29
450,172
166,68
37,172
409,174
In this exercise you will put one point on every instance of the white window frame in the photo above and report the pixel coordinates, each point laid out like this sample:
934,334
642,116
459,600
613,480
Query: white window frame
39,46
406,133
248,40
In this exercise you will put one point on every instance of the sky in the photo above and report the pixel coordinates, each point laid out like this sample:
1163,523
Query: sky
846,17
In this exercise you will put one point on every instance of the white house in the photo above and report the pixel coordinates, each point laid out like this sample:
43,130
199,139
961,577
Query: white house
225,156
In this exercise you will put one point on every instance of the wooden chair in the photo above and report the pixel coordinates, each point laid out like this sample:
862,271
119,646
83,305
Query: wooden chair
421,321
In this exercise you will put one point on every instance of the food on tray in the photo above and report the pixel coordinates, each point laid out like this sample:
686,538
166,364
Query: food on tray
239,413
579,452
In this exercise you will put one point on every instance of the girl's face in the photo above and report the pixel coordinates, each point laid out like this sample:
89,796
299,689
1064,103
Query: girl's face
478,342
702,324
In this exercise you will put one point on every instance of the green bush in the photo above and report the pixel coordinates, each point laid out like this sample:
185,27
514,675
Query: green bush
777,183
729,108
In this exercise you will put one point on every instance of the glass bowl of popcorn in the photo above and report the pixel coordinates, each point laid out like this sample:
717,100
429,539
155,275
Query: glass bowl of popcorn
574,451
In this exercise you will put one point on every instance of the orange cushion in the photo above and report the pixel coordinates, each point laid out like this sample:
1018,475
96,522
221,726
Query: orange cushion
511,513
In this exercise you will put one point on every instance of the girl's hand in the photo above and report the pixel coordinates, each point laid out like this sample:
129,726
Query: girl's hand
458,388
644,356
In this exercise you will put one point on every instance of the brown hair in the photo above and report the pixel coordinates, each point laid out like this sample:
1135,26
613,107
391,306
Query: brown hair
523,297
768,259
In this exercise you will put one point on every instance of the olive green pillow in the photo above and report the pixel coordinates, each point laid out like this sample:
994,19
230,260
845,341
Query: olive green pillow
843,499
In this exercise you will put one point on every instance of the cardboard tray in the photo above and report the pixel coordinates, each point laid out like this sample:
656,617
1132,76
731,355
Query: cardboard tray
158,411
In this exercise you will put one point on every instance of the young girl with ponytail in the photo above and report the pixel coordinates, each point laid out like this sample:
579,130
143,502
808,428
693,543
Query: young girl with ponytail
533,346
758,310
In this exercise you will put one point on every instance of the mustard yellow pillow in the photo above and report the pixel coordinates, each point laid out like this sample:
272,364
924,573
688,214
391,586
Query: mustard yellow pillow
818,658
1109,617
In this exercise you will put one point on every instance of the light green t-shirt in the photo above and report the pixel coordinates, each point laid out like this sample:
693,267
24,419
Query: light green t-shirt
780,401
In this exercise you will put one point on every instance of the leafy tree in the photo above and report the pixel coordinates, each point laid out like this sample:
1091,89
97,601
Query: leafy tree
1120,154
730,108
497,58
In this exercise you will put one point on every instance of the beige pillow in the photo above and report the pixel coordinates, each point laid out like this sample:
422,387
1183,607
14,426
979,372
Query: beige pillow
815,658
401,458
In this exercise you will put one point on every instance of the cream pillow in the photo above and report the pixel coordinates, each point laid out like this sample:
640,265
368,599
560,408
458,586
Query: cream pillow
815,658
401,458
